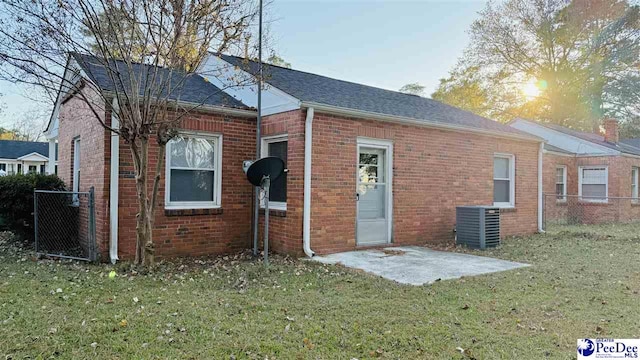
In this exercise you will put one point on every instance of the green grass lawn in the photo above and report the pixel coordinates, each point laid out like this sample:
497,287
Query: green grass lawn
584,282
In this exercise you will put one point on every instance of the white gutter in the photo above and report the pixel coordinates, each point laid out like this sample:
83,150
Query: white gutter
113,187
406,120
540,190
306,215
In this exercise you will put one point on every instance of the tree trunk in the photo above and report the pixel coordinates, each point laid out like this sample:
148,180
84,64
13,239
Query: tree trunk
144,221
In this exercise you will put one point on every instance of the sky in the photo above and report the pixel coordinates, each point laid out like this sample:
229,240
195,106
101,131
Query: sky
383,43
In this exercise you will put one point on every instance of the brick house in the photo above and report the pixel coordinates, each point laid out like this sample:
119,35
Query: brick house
366,166
594,177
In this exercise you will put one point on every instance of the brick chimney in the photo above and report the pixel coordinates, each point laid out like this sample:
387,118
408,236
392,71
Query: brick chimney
611,134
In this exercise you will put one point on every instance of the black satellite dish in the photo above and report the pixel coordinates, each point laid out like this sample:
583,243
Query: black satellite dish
261,173
271,167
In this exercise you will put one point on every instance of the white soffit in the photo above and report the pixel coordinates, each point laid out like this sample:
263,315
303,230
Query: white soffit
239,84
563,141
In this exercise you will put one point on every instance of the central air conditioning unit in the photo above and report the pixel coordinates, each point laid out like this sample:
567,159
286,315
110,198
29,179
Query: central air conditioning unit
478,227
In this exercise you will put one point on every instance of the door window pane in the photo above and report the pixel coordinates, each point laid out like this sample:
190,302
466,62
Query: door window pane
368,159
369,174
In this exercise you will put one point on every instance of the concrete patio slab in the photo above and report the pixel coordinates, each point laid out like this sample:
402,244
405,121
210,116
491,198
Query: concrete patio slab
416,265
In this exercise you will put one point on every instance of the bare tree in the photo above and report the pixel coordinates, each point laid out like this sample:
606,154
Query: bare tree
30,125
144,50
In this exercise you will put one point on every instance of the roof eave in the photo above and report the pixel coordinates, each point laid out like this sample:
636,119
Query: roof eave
244,113
32,153
407,120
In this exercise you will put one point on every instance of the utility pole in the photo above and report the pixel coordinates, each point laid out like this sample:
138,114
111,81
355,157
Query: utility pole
256,208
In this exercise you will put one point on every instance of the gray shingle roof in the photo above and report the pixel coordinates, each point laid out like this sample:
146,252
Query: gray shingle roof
13,149
594,138
191,88
631,142
324,90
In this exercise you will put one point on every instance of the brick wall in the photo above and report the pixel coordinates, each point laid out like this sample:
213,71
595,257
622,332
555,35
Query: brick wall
76,119
434,171
196,232
579,211
285,227
557,209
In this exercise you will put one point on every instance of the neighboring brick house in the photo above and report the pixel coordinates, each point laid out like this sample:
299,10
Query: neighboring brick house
366,167
594,177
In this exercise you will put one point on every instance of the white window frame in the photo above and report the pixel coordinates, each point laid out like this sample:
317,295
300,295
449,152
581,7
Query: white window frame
606,183
76,168
512,180
264,152
217,169
635,173
564,182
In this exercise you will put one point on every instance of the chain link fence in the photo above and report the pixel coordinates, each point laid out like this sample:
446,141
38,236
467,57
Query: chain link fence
65,224
582,210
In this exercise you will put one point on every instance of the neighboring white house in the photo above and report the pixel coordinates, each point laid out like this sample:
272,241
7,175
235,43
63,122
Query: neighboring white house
22,157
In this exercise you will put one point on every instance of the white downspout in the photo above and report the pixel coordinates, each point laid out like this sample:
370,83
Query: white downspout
113,187
306,215
540,194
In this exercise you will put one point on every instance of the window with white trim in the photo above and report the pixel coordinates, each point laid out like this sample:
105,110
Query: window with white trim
634,183
277,146
193,172
504,180
3,167
561,183
594,183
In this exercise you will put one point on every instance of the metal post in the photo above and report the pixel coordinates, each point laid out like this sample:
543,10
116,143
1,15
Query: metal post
267,185
35,218
256,205
92,226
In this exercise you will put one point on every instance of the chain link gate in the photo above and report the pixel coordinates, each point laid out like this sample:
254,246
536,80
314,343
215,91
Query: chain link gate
65,224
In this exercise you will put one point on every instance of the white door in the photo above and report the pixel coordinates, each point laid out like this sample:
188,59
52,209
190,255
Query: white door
373,194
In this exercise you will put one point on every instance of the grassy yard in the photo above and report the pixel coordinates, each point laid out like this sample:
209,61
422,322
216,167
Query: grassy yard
584,282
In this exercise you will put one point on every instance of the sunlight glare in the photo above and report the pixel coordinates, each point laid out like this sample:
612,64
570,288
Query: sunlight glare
530,89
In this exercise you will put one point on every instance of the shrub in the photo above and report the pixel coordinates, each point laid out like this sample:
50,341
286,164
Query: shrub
16,200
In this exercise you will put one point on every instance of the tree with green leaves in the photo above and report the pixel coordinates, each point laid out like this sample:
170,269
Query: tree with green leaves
276,60
413,89
463,89
569,62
